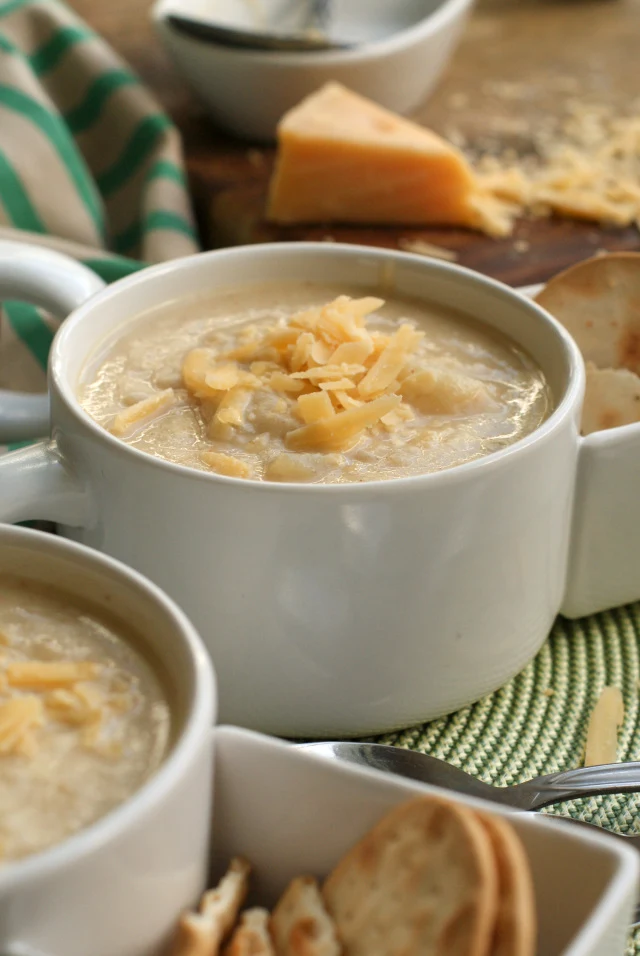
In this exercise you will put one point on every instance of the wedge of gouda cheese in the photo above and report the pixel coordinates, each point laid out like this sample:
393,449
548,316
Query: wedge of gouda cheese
342,158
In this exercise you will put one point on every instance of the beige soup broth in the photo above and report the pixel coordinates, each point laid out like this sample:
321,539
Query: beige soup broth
83,718
301,382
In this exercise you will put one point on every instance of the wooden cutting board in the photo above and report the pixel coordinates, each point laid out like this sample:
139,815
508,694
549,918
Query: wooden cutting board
517,65
520,65
230,191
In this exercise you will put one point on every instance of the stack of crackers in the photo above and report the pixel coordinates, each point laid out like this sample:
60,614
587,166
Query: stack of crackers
432,878
597,302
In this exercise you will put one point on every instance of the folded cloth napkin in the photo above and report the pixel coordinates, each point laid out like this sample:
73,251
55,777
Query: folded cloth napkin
87,159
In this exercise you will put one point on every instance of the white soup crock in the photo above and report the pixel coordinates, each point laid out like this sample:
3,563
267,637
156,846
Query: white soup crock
335,610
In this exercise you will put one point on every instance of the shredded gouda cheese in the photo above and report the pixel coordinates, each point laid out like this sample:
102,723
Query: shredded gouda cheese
226,464
233,406
315,407
142,412
84,704
281,382
288,468
342,385
390,362
197,364
346,401
50,674
18,718
339,432
222,377
352,353
343,374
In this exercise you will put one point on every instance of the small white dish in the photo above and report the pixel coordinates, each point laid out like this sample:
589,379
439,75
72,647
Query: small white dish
291,812
404,47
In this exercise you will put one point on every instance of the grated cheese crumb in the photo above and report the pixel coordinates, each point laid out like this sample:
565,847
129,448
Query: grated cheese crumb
50,674
288,468
339,432
142,412
18,718
80,705
588,168
225,464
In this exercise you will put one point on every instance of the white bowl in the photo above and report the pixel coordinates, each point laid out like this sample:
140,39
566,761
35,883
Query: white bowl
116,888
291,812
343,609
247,91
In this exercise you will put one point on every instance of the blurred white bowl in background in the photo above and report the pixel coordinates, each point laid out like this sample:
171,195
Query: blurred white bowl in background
405,45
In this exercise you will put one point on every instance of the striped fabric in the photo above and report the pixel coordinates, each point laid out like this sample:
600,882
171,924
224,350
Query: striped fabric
86,156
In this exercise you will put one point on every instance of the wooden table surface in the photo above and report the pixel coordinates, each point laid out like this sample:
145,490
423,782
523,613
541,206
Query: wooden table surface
518,64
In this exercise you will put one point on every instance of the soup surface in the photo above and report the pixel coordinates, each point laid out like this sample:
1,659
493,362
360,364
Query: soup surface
83,718
302,382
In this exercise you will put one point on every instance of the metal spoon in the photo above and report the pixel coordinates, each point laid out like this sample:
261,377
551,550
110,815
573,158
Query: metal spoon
530,795
311,37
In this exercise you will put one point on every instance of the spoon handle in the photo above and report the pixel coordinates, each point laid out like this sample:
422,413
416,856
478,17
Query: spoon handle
573,784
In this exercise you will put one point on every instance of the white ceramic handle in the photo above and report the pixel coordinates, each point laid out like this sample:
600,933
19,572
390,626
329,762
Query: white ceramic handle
55,283
604,566
36,484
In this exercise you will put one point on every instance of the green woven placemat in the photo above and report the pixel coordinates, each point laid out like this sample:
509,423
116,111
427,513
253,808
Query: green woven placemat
537,723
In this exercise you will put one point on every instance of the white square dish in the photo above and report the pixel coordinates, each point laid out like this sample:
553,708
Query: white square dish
291,812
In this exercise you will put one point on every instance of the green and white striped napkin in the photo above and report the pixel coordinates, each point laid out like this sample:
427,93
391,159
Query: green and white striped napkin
88,164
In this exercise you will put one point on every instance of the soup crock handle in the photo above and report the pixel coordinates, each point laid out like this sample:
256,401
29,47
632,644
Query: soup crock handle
35,484
55,283
604,565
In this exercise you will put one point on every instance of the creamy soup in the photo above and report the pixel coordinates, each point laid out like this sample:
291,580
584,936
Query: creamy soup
302,382
83,718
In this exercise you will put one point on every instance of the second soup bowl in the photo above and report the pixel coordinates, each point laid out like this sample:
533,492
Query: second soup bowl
116,885
341,609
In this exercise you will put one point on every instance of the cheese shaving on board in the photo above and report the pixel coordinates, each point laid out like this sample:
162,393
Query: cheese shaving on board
588,169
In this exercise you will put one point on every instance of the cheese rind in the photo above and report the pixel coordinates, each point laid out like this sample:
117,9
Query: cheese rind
343,158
